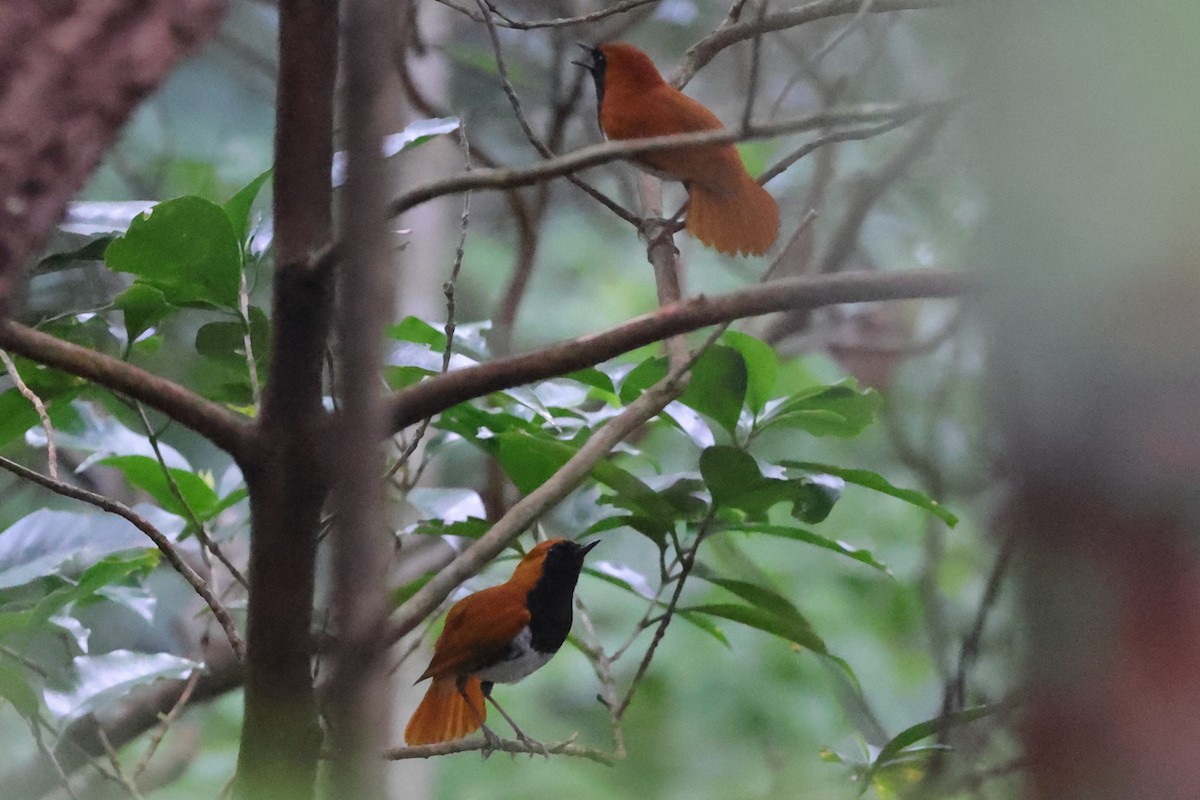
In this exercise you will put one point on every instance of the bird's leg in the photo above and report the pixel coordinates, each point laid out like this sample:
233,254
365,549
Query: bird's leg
491,740
532,744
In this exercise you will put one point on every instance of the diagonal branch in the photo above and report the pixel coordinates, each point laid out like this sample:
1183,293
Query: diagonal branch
156,536
211,420
443,391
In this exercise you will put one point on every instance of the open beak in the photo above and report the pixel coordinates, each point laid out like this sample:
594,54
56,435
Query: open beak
591,51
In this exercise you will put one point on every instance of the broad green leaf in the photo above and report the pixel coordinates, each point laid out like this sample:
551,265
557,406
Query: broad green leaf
815,539
840,410
92,250
225,342
469,528
187,248
736,482
418,331
147,474
704,623
101,679
761,366
144,307
16,689
49,542
730,473
875,481
594,378
237,208
530,460
797,631
18,415
718,386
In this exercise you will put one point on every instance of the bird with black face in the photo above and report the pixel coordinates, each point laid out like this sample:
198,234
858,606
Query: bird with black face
498,635
727,209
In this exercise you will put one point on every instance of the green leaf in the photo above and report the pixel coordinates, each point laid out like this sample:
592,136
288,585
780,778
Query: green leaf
898,747
762,365
92,250
736,482
225,343
840,410
18,415
704,623
797,631
418,331
144,307
101,679
16,690
187,248
760,597
594,378
47,542
718,386
875,481
470,528
730,474
530,460
817,540
401,594
237,208
642,377
147,474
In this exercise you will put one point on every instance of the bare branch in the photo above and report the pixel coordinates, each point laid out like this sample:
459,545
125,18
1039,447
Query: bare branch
703,51
559,22
216,423
443,391
39,407
512,177
567,748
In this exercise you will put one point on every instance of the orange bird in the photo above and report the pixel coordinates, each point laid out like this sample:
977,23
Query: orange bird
497,635
727,209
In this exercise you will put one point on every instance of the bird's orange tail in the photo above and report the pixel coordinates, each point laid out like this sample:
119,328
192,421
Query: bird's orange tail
444,714
743,219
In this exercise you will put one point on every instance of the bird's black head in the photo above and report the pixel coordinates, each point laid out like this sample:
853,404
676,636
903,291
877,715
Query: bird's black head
549,601
596,65
564,560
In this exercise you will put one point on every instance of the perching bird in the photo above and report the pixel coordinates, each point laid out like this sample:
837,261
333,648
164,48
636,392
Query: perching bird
727,209
497,635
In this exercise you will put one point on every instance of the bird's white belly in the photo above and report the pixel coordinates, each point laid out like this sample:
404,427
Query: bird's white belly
524,660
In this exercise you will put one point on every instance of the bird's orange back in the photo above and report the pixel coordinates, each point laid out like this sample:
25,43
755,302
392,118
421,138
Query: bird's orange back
638,103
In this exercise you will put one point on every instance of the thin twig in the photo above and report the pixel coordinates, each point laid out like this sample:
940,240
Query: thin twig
248,344
864,8
206,540
527,129
165,725
755,66
39,407
155,535
115,763
560,22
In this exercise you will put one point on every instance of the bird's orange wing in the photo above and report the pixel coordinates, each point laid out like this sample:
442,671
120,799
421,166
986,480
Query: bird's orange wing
477,630
664,111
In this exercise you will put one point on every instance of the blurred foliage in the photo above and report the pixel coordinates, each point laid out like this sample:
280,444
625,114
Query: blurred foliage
829,598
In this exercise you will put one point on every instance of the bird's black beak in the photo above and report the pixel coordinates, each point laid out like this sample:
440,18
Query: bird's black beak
583,551
590,66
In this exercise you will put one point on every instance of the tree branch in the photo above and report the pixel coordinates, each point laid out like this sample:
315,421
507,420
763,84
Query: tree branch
513,177
443,391
703,51
216,423
144,525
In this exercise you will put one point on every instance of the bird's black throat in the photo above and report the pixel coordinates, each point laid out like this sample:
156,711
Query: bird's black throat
550,600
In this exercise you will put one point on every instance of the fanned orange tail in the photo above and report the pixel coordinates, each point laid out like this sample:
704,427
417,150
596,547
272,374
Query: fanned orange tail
444,714
743,218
